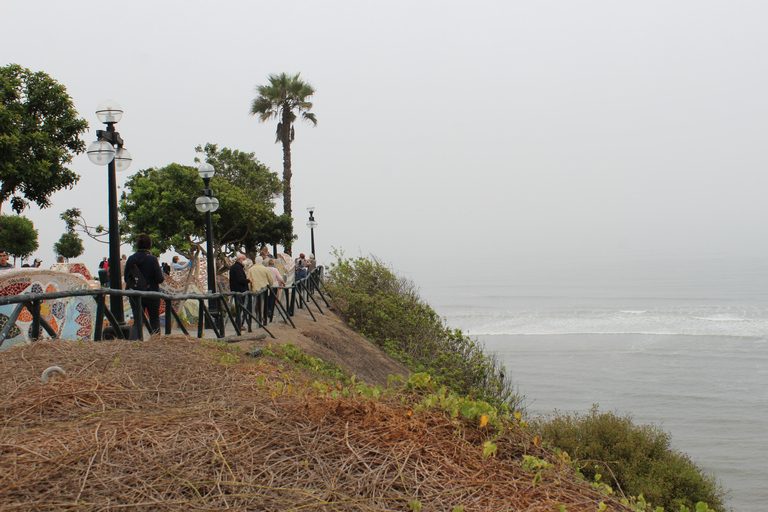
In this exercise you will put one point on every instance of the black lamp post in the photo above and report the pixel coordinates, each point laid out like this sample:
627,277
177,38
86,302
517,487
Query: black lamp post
103,152
208,204
312,225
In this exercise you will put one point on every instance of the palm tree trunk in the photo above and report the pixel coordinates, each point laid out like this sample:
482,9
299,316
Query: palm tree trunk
287,174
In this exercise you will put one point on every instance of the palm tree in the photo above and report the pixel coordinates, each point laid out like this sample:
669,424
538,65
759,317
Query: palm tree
283,99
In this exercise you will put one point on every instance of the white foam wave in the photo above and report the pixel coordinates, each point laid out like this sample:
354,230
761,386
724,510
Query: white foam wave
673,321
720,318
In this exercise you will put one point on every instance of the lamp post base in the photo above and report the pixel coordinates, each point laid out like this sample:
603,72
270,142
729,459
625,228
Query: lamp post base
109,332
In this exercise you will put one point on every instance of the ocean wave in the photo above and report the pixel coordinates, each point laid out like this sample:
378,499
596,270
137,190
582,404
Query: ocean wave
673,321
720,318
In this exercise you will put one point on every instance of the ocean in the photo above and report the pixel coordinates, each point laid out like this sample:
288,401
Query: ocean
679,344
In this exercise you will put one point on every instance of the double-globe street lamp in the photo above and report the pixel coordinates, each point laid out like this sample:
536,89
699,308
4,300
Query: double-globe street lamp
108,150
208,204
312,225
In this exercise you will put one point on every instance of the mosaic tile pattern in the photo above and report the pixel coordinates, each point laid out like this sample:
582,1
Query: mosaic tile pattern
72,318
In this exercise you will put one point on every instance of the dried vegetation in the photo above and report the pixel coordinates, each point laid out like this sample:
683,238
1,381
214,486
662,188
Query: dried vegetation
172,424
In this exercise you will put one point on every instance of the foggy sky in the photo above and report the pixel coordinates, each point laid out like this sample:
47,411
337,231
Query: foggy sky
448,133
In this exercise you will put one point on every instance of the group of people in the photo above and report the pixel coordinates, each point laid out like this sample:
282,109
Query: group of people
263,272
5,264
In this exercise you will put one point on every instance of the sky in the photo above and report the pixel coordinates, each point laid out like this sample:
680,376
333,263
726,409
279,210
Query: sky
482,136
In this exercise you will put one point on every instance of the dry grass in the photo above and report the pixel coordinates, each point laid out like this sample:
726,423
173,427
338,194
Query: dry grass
173,425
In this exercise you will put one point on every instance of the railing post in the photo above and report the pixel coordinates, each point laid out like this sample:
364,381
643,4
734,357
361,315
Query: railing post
34,309
140,320
98,330
168,316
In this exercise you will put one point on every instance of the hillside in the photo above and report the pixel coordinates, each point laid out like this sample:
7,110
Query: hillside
179,424
330,339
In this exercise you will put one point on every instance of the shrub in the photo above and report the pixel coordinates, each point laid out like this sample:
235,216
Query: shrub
636,458
387,310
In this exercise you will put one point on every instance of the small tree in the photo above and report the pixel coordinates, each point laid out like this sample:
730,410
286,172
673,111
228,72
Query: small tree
18,236
161,203
69,245
76,222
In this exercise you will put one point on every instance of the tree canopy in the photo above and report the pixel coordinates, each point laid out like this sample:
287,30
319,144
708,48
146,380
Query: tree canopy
285,98
39,133
75,221
161,203
18,236
69,245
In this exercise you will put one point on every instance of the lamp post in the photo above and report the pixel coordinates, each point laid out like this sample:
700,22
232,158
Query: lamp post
208,204
103,152
312,225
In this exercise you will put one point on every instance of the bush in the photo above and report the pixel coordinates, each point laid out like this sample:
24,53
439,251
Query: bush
387,310
18,236
636,458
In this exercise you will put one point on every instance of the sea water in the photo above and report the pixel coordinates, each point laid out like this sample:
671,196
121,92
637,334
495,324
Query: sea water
679,344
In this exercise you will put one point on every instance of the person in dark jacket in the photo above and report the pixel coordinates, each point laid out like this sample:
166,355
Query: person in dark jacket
238,282
150,268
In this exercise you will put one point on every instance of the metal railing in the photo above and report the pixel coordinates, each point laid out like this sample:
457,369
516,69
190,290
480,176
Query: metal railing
251,308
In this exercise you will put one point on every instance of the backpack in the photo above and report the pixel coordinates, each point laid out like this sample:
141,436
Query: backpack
135,280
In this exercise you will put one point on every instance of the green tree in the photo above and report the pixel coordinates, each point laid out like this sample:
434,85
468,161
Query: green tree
285,99
76,222
161,203
39,132
69,245
18,236
245,171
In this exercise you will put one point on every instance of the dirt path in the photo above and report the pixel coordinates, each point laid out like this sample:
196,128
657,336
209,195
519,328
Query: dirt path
328,338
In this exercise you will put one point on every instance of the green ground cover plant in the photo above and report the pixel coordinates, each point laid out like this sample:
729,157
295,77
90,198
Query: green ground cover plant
387,310
635,459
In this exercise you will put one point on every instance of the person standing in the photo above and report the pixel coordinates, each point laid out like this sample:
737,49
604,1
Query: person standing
123,259
4,265
238,282
275,295
260,277
301,267
179,266
265,256
150,268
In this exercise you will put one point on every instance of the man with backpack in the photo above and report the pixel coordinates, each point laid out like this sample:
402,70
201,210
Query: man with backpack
143,273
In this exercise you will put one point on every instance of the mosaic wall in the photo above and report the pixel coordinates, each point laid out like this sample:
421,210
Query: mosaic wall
73,268
72,317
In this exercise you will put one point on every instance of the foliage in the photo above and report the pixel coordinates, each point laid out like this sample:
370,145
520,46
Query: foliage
69,245
387,309
284,98
39,133
18,236
161,203
295,355
75,221
244,171
638,459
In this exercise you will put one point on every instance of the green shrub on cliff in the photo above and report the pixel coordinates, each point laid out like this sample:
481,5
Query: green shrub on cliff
637,459
387,310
